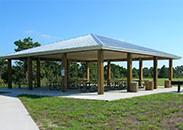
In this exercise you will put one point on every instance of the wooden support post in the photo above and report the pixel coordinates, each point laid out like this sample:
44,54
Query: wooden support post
87,72
108,71
9,73
155,75
170,70
100,72
29,69
68,65
140,72
65,65
38,73
25,66
129,67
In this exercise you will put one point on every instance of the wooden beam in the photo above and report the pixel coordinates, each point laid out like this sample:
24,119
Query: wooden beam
9,73
48,59
93,60
29,69
170,75
73,52
140,72
129,69
100,72
117,60
155,71
87,72
65,65
108,71
38,73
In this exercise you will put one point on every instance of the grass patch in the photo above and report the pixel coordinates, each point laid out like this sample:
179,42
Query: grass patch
162,80
153,112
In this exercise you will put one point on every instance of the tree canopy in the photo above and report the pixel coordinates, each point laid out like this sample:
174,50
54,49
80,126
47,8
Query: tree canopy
26,43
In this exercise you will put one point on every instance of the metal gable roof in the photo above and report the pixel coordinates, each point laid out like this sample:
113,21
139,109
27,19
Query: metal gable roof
110,43
74,44
89,42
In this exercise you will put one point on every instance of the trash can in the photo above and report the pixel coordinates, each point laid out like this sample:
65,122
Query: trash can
149,85
134,87
168,84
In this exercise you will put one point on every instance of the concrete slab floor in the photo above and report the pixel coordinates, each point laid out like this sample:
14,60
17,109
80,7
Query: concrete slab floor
108,96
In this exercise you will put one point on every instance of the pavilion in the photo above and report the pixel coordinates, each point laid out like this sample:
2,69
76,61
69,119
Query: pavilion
91,48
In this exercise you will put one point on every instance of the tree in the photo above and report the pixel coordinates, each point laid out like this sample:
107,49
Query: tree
135,73
73,71
20,67
18,75
93,71
51,71
163,72
115,71
3,70
146,72
26,43
2,66
178,72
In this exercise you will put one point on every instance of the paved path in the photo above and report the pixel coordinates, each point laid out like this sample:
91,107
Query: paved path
14,116
120,94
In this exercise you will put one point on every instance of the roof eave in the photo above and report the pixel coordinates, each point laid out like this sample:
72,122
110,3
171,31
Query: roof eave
169,56
59,51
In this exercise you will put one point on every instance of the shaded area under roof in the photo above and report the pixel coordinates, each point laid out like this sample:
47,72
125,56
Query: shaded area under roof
78,47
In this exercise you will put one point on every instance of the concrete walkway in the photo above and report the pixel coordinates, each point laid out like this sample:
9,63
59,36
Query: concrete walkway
120,94
108,96
14,116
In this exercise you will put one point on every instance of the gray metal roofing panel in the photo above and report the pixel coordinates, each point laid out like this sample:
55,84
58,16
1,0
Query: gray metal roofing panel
86,41
128,47
89,42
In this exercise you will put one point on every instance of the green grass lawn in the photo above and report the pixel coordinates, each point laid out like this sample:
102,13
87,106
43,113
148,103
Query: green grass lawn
162,80
153,112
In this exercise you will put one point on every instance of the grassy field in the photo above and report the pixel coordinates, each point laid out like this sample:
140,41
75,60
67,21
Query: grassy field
153,112
162,80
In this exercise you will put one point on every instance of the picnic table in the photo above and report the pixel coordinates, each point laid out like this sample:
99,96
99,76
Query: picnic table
88,86
140,81
178,83
91,86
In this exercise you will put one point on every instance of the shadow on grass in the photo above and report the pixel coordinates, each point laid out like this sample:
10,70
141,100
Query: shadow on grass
3,92
32,96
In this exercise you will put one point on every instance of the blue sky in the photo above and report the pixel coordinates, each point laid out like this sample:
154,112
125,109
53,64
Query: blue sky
157,24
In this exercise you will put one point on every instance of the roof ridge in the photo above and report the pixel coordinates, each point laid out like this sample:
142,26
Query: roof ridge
95,37
54,43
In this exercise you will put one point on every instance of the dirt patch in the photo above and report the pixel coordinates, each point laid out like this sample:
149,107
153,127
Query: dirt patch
171,123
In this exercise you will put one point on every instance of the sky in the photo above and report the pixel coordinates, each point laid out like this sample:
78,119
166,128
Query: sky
157,24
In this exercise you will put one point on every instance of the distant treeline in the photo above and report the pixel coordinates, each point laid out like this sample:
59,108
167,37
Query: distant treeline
51,71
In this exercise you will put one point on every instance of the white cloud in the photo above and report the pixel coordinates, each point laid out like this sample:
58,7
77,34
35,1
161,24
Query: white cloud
41,35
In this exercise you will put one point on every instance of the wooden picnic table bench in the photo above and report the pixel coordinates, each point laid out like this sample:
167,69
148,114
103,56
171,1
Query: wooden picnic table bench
178,83
88,86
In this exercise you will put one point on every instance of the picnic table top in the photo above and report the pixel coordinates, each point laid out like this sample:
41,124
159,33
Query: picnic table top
177,82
